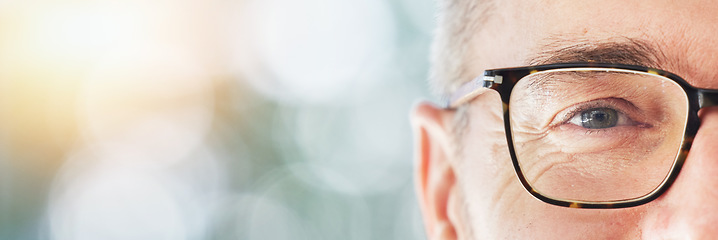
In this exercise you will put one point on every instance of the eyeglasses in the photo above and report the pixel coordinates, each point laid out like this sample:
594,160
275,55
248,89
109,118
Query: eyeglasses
594,135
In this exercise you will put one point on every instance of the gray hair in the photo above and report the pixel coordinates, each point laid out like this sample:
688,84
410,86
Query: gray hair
457,22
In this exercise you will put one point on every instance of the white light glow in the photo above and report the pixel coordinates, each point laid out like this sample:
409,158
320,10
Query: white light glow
77,32
98,196
315,50
157,102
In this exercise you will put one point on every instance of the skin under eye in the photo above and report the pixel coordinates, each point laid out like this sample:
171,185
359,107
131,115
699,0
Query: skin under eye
599,118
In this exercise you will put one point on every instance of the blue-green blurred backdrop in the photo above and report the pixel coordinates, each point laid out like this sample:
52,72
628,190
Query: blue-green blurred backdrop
210,119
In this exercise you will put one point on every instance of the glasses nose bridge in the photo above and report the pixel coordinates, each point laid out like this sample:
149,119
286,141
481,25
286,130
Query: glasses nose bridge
707,98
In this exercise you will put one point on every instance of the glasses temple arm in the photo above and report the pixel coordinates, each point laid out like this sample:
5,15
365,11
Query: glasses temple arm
468,91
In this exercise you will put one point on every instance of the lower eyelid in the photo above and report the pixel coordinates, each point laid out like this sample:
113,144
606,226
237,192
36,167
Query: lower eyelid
568,128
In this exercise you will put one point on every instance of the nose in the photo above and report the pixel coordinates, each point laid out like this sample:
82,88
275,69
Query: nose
689,209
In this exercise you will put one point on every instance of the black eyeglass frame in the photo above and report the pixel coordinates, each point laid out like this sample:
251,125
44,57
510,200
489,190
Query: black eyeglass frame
503,81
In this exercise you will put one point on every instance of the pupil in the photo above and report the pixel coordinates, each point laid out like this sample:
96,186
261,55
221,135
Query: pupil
598,118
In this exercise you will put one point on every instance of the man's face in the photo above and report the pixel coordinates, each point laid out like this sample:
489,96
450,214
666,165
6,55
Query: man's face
471,190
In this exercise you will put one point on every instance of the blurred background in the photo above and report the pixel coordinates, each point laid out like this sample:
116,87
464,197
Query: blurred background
210,119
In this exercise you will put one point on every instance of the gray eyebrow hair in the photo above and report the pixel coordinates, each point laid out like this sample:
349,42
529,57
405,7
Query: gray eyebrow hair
621,50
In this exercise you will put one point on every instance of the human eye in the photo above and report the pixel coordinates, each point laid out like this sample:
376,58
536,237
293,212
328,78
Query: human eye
600,118
603,114
602,124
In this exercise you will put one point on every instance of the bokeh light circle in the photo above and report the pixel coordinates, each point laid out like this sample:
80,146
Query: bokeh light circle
316,50
157,102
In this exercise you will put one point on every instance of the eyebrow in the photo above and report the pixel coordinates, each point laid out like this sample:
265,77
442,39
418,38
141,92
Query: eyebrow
621,50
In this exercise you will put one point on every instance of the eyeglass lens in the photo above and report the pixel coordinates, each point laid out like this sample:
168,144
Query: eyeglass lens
596,135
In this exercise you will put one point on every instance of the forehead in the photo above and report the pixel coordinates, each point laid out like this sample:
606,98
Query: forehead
682,32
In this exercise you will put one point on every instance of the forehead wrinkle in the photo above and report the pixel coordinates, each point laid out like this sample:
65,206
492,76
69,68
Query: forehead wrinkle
694,60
